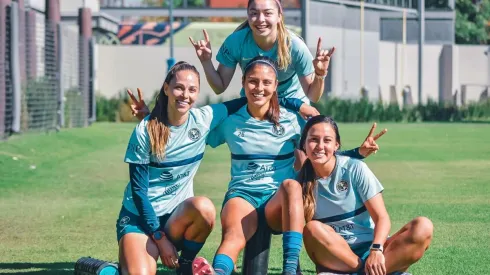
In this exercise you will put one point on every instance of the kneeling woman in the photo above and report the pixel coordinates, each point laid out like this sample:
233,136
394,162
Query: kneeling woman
160,214
347,222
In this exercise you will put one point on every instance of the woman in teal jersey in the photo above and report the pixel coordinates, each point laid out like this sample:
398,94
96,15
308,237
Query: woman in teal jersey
347,222
160,214
262,138
264,34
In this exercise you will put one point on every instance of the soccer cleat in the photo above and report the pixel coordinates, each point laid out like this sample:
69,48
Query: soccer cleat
200,266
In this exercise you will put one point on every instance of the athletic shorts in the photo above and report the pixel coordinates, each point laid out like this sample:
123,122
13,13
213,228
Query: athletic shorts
131,223
258,199
361,250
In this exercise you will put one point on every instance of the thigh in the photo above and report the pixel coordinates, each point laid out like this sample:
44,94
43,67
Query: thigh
273,211
239,218
186,213
138,254
328,250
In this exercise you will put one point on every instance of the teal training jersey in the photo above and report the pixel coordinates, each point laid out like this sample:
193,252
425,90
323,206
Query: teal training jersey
340,200
171,181
240,48
262,154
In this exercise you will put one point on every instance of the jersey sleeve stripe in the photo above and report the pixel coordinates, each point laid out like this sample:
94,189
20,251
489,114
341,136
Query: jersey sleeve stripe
260,156
344,216
177,163
287,80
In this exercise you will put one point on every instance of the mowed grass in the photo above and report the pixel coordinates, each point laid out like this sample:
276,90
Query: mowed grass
60,194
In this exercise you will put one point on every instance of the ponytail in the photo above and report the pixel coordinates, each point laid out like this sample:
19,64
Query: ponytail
283,45
307,179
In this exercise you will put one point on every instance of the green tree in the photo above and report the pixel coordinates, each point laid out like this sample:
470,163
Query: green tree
471,22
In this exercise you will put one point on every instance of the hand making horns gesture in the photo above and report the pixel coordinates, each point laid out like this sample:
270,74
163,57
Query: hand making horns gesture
322,59
203,47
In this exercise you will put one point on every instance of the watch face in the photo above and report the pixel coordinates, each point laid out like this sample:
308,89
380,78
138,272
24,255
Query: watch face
375,245
157,235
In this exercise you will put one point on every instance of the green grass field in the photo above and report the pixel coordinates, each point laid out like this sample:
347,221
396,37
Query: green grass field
60,194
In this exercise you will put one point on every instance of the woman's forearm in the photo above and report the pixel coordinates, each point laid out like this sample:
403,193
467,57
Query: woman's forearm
213,77
382,229
315,89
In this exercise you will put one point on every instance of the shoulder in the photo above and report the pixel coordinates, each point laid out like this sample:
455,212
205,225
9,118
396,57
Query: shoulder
238,37
353,165
141,127
297,42
287,115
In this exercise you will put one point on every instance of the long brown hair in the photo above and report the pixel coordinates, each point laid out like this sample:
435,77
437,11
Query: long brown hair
273,112
283,38
158,125
307,176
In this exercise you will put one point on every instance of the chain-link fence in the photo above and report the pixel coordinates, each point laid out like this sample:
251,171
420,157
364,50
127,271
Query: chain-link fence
46,79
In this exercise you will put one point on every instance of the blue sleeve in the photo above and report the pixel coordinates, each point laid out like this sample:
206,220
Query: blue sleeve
234,105
301,57
227,53
353,153
215,114
291,103
366,183
139,178
216,137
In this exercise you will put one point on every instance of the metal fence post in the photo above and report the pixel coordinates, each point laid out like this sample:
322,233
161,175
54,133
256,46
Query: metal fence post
15,66
61,91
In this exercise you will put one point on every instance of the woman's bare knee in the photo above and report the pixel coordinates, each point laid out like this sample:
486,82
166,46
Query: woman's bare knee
421,230
204,208
316,229
292,187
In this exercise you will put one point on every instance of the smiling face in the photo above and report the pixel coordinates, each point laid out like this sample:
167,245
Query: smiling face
263,17
182,91
321,143
260,84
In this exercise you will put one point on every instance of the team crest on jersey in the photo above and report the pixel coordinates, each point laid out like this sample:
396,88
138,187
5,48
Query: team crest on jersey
194,134
342,186
124,220
278,130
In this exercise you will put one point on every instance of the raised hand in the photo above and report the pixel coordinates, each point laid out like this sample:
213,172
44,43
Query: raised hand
203,47
322,59
138,108
369,145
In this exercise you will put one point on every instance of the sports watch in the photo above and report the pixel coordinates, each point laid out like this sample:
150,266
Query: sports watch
158,235
376,247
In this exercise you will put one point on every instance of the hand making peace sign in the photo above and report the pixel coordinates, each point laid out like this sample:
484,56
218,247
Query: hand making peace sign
138,108
322,59
369,145
203,47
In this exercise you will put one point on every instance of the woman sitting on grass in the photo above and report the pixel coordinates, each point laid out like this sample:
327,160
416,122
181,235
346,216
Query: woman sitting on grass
347,222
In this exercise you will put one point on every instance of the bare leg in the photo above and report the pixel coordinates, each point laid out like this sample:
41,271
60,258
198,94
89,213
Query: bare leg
193,220
284,212
138,254
239,223
328,249
408,245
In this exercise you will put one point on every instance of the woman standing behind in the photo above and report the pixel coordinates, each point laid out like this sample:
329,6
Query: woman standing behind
265,34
